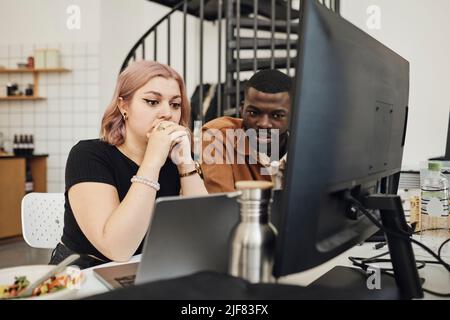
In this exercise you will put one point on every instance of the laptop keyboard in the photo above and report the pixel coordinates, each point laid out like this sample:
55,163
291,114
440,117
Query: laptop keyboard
126,281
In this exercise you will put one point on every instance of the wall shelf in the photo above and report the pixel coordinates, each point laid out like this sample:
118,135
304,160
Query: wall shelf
25,70
35,73
22,98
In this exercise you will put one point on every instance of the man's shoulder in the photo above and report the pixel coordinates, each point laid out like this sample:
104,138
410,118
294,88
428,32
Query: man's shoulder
223,123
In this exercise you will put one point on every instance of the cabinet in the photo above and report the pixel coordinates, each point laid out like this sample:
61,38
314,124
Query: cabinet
12,189
35,73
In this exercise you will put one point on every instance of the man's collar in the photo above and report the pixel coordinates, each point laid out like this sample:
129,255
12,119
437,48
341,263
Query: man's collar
265,161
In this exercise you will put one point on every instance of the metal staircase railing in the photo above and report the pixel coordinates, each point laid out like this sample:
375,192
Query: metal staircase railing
140,44
277,18
278,23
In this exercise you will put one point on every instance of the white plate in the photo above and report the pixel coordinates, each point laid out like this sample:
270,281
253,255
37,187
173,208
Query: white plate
33,273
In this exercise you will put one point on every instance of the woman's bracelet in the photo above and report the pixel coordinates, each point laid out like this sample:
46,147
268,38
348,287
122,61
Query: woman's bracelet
153,184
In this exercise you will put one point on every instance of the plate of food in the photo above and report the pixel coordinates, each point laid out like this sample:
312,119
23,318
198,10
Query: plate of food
62,286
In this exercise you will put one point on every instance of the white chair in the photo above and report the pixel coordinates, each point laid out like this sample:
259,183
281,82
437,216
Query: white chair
43,219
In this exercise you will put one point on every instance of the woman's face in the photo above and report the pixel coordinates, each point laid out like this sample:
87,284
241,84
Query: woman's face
160,98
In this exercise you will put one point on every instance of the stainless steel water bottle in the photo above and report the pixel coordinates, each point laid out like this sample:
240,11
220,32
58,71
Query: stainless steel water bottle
253,238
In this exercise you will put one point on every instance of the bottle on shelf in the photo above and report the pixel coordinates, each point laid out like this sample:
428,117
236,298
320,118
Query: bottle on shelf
30,63
2,144
16,145
21,144
24,145
434,217
29,91
27,148
31,144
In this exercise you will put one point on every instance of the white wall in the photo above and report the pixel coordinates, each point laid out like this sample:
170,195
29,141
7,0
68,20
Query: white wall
44,21
71,111
418,30
122,23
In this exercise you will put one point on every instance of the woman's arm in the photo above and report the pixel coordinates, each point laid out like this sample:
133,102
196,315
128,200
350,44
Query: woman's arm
192,185
117,228
114,228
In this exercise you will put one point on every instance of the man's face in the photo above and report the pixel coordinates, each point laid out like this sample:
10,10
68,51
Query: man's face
267,111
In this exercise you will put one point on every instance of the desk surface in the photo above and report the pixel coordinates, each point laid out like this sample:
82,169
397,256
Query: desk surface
436,277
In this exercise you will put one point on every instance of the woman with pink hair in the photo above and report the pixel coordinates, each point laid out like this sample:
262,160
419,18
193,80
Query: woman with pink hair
144,152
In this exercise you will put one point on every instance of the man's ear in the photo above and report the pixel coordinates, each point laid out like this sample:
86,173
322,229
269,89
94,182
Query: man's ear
241,109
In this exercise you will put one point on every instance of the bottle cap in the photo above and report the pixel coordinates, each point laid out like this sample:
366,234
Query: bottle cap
255,190
250,185
434,166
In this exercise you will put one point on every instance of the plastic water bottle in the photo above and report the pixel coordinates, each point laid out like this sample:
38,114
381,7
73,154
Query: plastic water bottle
434,208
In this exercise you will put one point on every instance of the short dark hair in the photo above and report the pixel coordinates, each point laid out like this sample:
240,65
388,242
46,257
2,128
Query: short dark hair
269,81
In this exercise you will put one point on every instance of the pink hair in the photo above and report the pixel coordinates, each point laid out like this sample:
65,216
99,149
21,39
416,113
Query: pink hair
130,80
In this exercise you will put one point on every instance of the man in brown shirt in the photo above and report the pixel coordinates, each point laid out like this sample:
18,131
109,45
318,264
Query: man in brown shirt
254,147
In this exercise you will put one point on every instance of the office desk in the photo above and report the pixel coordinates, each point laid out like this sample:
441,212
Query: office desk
436,277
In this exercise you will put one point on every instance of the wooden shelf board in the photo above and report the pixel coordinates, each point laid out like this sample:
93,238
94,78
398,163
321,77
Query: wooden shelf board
52,70
24,70
21,98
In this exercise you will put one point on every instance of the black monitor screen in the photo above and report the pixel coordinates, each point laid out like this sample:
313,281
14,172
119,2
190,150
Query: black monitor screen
446,157
447,150
348,128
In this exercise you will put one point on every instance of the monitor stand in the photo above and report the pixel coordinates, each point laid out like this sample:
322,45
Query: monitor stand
406,284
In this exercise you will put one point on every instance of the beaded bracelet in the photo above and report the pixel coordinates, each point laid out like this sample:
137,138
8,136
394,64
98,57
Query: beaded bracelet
147,182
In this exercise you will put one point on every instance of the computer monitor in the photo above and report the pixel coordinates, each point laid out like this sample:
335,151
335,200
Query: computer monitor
447,150
348,125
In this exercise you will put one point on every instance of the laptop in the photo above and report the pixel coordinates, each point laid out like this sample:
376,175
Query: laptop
186,235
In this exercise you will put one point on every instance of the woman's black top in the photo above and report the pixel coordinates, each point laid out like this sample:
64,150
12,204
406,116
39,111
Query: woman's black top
98,161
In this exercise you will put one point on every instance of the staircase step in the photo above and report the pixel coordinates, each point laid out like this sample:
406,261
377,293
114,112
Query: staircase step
232,90
247,64
263,43
266,25
211,7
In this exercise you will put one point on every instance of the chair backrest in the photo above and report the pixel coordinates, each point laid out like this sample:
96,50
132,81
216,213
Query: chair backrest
43,219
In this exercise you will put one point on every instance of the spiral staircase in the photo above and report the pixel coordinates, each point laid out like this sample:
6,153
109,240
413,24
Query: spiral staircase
251,35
